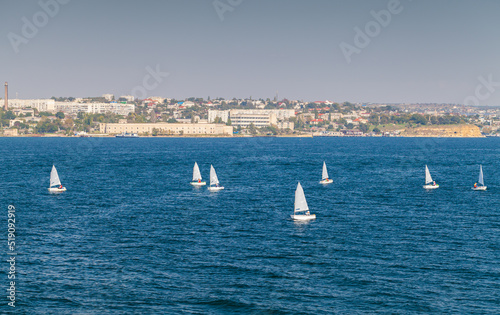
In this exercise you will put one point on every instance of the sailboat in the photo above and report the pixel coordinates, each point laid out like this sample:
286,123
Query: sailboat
324,177
429,183
300,206
197,176
55,183
214,181
480,181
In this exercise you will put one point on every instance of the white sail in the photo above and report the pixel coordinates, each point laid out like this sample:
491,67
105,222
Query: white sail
300,200
54,177
325,172
213,176
428,178
196,172
481,180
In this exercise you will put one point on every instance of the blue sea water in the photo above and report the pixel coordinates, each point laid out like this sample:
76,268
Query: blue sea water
131,235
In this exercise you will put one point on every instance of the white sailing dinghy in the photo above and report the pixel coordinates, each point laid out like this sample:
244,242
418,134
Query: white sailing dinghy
429,183
324,177
214,181
480,181
55,183
300,206
197,176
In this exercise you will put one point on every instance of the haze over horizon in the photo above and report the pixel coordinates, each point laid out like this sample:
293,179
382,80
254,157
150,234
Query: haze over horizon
420,52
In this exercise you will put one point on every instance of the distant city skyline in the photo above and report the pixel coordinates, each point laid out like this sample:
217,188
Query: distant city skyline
385,51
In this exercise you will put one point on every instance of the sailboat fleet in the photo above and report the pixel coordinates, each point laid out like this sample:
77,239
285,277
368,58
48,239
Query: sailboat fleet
431,184
214,180
301,209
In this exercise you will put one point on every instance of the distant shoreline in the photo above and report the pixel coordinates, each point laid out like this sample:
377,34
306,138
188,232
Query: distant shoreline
239,137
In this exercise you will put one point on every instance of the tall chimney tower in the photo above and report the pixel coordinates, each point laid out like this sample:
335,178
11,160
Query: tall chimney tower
6,106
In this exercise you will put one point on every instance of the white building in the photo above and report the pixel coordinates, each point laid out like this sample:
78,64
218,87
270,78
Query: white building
257,119
281,114
108,97
42,105
222,114
157,99
74,108
335,116
167,129
285,125
188,104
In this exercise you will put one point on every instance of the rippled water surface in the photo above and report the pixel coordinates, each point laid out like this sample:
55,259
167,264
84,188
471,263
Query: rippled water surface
131,235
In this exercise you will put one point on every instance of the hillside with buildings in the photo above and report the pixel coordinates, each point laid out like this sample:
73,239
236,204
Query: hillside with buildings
159,116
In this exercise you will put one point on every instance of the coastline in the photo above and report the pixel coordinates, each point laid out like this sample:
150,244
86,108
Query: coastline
246,136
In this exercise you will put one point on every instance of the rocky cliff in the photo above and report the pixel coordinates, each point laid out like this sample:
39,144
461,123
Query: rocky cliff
463,131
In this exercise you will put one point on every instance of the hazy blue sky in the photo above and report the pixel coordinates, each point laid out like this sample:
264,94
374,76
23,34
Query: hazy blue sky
430,51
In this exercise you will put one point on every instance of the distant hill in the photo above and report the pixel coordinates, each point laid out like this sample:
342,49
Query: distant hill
460,131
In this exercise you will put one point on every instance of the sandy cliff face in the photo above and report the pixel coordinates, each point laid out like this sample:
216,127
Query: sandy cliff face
463,131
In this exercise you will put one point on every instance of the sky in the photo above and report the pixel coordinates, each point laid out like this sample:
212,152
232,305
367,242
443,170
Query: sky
382,51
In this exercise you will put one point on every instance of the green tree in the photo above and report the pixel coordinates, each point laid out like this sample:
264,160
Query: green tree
418,119
8,115
60,115
363,128
252,129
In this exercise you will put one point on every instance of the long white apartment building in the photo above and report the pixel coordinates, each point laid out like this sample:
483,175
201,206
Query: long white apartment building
50,105
94,108
42,105
281,114
258,120
257,117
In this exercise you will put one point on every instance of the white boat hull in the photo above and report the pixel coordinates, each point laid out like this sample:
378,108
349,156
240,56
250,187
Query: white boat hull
431,186
56,190
213,188
479,188
198,183
326,181
303,217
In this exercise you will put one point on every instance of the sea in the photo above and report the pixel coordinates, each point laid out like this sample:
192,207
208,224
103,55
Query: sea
132,236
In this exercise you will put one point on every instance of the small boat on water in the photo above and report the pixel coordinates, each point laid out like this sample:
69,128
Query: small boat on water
127,135
82,134
55,183
214,181
300,206
324,177
429,183
480,181
197,176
